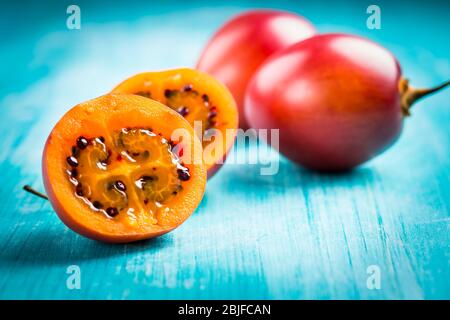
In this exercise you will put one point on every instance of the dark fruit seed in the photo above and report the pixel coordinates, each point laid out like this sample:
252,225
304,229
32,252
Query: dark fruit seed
82,142
183,175
187,87
183,111
120,185
75,151
102,139
72,161
167,93
212,114
79,190
74,173
146,201
97,205
112,212
148,178
144,94
205,98
172,144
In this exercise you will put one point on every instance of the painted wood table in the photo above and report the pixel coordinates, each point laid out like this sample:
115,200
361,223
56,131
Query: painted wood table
293,235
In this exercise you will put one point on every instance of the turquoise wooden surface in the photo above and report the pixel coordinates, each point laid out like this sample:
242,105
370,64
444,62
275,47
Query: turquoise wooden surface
293,235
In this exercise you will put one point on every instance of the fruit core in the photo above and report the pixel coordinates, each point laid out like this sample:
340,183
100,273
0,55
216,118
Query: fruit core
132,173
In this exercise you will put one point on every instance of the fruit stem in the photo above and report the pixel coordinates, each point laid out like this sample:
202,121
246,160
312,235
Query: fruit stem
34,192
410,95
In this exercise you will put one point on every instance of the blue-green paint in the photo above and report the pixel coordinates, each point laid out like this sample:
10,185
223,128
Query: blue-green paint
294,235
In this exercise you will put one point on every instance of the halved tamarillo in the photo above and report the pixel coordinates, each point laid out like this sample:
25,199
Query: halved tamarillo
122,168
200,99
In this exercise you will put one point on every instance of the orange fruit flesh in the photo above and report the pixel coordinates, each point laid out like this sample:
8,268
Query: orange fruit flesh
204,102
193,106
112,173
128,178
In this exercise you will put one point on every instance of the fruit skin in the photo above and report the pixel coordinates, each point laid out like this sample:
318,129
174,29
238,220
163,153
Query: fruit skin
243,43
334,97
92,118
158,82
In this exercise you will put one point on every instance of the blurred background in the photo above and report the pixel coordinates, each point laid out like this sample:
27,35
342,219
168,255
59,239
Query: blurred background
294,235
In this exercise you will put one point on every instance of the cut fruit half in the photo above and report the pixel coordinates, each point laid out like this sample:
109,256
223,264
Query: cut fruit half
122,168
203,101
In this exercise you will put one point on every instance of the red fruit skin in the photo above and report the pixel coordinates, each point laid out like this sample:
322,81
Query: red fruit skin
334,97
243,43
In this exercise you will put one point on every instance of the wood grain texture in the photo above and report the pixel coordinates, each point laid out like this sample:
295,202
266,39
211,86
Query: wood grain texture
293,235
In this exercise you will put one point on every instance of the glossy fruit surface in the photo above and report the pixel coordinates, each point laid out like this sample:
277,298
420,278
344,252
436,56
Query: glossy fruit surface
241,45
202,100
335,99
113,172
